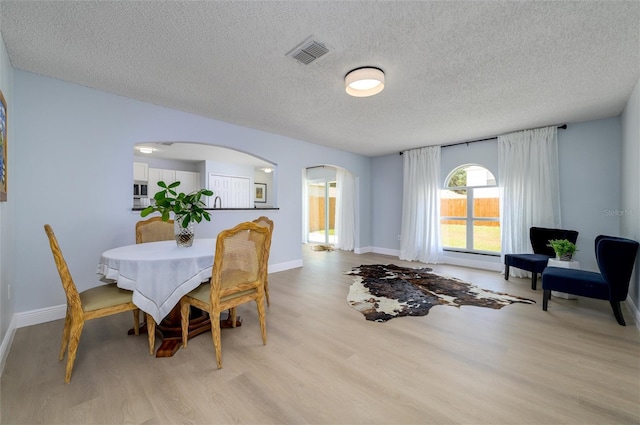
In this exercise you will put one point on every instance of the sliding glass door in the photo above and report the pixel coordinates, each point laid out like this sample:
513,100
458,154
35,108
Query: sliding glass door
321,202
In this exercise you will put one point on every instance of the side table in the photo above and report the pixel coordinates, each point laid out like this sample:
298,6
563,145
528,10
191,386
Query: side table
573,264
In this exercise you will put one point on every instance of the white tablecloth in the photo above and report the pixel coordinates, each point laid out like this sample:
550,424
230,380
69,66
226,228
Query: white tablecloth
159,273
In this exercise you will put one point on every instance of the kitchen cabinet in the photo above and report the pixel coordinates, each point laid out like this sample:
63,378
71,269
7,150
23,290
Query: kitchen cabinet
189,180
140,171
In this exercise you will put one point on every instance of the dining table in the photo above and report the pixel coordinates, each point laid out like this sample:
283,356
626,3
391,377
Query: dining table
159,274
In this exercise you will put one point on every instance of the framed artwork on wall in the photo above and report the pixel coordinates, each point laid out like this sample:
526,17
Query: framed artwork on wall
3,148
260,192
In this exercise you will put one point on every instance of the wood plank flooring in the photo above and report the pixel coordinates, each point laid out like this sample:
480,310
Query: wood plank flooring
325,364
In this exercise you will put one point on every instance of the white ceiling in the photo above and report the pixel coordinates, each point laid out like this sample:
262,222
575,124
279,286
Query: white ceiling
455,70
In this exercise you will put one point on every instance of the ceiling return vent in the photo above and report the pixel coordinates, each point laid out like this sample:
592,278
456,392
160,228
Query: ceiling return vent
308,51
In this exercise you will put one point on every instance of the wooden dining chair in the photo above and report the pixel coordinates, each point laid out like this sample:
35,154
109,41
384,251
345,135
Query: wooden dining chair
237,277
101,301
153,229
265,221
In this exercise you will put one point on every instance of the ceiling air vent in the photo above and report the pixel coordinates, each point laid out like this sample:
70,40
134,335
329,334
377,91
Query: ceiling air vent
310,51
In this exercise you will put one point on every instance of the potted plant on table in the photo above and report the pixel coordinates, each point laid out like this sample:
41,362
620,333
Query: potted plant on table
187,210
563,248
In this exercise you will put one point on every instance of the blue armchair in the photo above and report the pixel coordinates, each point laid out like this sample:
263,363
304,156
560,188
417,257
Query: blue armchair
536,262
615,257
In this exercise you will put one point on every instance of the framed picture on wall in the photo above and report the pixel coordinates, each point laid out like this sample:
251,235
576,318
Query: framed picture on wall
260,192
3,148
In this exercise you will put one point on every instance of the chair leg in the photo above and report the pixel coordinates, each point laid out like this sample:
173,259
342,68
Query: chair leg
74,338
136,321
617,311
151,330
534,280
262,319
184,321
506,272
266,292
545,298
215,335
65,336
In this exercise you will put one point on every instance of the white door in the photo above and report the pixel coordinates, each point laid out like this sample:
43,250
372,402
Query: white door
234,192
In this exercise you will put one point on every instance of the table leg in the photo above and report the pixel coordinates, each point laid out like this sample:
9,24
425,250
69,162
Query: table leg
170,329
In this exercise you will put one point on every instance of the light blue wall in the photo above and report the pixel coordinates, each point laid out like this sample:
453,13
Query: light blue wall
630,219
6,208
590,158
73,154
386,209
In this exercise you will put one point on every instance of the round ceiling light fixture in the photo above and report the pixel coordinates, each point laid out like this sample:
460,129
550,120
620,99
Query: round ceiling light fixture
364,82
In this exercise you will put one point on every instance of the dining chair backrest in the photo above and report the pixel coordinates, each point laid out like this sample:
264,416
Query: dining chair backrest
154,230
266,222
239,262
71,291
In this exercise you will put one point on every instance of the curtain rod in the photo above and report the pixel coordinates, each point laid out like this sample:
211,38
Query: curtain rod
562,127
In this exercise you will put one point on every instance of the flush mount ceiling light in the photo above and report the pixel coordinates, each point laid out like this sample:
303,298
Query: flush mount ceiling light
363,82
267,170
146,150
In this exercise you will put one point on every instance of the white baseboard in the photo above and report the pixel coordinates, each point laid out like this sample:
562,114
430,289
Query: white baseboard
6,343
476,264
454,261
28,318
43,315
634,311
383,251
280,267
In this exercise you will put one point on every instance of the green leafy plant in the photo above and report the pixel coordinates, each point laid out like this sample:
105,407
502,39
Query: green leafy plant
185,208
562,247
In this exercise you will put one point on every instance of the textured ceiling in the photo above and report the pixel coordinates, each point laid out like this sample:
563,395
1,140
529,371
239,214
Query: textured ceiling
455,70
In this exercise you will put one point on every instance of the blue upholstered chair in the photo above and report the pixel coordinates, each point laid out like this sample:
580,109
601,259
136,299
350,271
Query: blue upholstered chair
536,262
615,257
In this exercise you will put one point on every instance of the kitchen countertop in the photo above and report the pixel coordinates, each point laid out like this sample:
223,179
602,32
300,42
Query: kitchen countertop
220,209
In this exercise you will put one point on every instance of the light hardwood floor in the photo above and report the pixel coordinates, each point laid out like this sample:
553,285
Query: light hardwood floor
325,364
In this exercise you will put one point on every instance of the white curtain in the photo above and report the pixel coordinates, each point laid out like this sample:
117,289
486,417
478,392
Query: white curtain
420,235
528,166
345,210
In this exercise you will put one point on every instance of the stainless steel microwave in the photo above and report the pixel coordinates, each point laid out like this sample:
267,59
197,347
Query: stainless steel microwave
140,190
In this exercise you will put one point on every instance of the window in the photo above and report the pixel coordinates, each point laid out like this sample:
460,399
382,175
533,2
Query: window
470,211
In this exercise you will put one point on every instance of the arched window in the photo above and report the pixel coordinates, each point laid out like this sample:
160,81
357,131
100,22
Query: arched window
470,211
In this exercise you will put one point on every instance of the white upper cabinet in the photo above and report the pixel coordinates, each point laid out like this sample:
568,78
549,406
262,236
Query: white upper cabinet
189,180
140,171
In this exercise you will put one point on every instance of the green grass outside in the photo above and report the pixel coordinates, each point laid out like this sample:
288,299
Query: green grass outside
485,238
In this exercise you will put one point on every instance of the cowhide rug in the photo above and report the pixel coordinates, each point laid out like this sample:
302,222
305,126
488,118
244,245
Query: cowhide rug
383,292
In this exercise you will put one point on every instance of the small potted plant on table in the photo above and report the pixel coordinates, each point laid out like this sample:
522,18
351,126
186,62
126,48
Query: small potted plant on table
563,248
187,210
